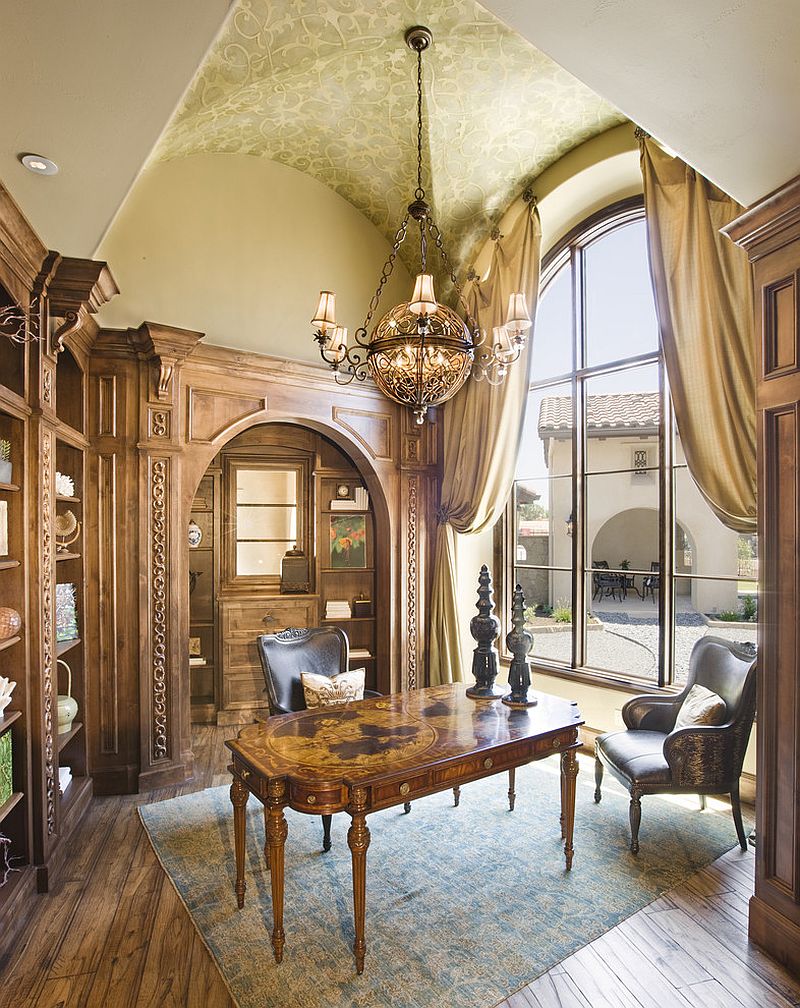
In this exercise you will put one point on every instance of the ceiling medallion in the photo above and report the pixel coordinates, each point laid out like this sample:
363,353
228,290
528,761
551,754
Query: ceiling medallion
421,352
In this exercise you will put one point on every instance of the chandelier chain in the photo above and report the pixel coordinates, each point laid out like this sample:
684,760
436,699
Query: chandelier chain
388,267
420,193
437,237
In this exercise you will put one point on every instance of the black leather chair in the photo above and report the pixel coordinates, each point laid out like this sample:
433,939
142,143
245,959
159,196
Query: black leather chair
284,655
651,758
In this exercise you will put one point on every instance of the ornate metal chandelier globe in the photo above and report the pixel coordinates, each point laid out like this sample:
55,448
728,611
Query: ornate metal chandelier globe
421,352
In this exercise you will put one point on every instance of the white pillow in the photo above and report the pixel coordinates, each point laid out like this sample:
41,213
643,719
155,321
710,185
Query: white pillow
328,691
701,707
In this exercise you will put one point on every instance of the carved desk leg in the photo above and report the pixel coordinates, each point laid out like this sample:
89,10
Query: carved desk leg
276,840
569,773
512,794
358,841
239,796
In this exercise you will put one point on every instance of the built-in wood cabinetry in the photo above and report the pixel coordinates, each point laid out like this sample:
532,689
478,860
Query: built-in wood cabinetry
44,352
770,233
248,531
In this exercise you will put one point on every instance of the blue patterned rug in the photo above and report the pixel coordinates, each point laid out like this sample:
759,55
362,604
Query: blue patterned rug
464,905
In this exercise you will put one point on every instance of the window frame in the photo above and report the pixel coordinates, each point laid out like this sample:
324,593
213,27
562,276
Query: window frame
570,250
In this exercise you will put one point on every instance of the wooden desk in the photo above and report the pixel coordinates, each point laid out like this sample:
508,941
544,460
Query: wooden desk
376,753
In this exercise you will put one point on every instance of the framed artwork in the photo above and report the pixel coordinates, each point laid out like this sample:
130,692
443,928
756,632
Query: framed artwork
66,612
3,528
194,647
348,541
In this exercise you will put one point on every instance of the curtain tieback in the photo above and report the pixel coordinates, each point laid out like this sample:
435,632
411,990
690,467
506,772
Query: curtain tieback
443,516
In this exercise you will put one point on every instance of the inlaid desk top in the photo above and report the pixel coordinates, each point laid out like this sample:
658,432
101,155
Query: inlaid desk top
322,753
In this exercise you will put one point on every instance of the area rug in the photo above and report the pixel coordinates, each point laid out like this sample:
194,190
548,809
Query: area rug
464,905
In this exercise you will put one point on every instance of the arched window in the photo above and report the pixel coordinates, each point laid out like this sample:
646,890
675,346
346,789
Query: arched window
605,520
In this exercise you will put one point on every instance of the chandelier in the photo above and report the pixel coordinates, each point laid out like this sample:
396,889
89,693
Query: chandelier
421,352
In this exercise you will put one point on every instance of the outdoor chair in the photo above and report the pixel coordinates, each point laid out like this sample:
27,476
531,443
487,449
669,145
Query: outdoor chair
652,757
652,582
605,584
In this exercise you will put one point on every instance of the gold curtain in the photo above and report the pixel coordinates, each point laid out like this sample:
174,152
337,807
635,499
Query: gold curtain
483,427
705,312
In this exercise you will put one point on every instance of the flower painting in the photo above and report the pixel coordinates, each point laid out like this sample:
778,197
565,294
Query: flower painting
348,541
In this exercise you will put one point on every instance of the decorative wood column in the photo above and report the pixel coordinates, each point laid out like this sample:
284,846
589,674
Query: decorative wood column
770,233
165,746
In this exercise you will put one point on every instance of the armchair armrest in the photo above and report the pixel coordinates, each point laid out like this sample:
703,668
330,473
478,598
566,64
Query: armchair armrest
652,713
704,756
371,693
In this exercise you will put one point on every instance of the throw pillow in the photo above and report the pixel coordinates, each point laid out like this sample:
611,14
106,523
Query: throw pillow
328,691
701,707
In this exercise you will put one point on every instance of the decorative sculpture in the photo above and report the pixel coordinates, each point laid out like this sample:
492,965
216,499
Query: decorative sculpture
519,643
484,628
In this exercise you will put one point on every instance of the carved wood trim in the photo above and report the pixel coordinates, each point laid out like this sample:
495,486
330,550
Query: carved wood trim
412,583
160,423
48,625
159,580
781,356
107,603
257,406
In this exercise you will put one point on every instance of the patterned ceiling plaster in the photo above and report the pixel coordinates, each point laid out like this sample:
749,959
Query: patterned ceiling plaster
327,87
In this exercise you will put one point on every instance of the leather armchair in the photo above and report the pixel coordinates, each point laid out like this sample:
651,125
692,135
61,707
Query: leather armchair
650,757
284,655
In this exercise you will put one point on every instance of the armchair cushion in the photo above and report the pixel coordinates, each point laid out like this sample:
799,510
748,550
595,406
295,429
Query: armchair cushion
329,691
701,707
636,756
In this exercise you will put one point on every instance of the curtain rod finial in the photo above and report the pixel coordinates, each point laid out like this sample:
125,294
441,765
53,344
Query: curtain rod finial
641,134
528,197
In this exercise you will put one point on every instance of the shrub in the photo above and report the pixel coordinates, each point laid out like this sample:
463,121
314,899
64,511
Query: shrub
750,608
729,616
562,612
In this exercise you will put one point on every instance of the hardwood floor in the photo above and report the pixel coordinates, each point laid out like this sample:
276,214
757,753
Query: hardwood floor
113,933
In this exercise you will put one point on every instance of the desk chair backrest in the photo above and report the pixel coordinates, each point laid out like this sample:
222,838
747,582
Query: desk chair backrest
284,655
727,669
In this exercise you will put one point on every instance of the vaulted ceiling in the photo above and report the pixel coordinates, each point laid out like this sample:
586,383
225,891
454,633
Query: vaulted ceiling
326,86
330,89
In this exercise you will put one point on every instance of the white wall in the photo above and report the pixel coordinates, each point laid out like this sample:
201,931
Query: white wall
239,247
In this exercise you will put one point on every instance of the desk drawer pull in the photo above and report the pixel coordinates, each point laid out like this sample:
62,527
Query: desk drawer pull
244,774
488,762
404,789
268,618
312,799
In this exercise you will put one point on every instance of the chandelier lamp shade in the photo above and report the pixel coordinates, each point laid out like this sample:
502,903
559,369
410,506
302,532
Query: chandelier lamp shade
420,352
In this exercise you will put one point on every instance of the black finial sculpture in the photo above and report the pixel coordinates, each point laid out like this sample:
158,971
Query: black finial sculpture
484,628
519,643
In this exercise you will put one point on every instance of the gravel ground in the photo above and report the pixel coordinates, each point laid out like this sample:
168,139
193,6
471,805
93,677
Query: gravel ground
630,645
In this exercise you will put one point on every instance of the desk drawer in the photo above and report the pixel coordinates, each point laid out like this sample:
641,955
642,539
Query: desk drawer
266,615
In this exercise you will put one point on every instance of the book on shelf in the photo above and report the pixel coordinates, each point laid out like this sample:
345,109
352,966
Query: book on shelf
337,609
362,498
343,505
196,660
359,652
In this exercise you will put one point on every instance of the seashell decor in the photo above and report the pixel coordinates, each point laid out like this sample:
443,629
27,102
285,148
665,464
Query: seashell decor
6,689
65,485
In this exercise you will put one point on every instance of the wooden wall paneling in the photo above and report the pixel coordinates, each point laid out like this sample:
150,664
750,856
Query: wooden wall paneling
111,533
770,233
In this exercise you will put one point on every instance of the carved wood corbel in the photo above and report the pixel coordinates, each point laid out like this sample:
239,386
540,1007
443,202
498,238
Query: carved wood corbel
76,289
166,347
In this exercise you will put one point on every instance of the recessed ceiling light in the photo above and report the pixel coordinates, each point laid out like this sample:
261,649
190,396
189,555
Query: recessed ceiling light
39,165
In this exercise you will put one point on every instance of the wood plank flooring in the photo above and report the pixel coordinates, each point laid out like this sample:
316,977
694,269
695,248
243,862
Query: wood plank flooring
113,933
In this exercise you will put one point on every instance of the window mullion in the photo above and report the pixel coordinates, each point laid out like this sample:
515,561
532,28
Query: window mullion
578,460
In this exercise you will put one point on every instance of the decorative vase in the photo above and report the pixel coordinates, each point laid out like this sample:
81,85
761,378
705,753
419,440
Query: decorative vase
10,622
67,705
195,535
484,628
